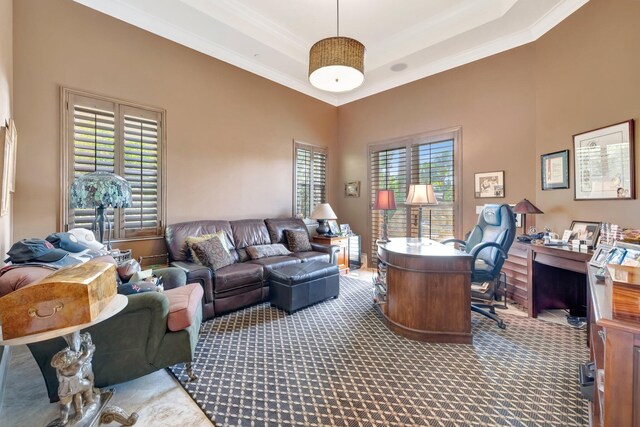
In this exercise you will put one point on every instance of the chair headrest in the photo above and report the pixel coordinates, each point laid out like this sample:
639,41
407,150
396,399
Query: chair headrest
491,214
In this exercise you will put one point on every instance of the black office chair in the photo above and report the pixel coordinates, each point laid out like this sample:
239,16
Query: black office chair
489,243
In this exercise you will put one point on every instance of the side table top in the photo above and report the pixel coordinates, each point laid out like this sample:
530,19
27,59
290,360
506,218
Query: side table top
116,305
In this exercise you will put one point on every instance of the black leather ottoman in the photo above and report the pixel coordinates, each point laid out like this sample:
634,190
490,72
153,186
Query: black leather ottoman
297,286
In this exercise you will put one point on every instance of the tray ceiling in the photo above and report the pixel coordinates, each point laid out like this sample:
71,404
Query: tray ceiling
405,40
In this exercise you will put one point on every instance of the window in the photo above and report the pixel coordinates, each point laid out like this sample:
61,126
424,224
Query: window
424,159
102,134
310,175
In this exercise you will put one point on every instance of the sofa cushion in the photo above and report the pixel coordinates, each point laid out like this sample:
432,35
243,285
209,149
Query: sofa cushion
298,240
275,262
264,251
176,236
250,232
237,275
243,256
191,240
311,256
212,253
183,305
276,227
140,287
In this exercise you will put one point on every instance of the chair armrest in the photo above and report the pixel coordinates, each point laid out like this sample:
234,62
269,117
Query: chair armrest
332,250
456,241
200,274
172,277
481,246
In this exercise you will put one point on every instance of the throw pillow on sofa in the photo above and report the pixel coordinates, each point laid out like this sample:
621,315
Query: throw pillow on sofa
212,253
263,251
298,240
138,288
191,240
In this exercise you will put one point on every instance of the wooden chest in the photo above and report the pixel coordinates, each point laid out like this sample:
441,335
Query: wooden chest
68,297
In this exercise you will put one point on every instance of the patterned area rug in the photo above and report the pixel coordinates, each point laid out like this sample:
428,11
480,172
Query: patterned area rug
336,364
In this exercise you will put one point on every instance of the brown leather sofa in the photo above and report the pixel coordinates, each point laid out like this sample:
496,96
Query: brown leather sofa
245,281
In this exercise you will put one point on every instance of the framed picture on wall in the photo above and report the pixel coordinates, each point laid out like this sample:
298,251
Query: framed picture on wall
489,184
604,163
555,170
352,189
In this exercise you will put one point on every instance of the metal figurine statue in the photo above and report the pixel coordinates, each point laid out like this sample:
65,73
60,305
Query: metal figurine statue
75,378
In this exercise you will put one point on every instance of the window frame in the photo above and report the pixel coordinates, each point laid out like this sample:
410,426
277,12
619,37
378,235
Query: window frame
67,157
408,142
313,148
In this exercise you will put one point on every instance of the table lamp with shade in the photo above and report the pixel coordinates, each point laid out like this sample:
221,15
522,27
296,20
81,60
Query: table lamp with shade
385,201
421,195
525,207
323,212
100,190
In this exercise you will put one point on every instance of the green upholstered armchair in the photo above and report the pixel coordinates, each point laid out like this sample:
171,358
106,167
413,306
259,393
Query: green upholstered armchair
133,343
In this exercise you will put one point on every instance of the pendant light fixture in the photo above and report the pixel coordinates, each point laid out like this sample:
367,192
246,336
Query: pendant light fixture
336,64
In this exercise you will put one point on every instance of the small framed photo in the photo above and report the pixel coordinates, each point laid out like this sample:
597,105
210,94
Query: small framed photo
345,229
333,226
489,184
555,170
600,255
585,230
616,256
352,189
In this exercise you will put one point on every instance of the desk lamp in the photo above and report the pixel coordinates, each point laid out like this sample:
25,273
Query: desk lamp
100,190
323,212
421,195
525,207
385,201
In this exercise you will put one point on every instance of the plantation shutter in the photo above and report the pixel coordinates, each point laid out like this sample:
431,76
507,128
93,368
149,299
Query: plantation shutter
433,163
113,136
310,178
141,162
93,139
388,170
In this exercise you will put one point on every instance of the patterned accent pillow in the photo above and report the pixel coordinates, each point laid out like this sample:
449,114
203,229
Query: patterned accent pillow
263,251
212,253
298,240
191,240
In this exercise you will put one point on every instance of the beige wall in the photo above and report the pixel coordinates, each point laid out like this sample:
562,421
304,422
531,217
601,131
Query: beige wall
493,100
230,132
588,76
513,107
6,92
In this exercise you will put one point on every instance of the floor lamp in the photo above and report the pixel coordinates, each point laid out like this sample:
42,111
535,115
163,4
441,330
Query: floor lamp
385,201
421,195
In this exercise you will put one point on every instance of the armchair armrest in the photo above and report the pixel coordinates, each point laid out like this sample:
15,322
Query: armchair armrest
200,274
458,241
172,277
332,250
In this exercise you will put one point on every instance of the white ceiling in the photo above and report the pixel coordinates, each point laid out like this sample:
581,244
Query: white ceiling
272,38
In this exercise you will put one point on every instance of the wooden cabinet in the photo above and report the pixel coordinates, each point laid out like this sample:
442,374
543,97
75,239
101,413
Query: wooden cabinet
517,268
343,254
615,348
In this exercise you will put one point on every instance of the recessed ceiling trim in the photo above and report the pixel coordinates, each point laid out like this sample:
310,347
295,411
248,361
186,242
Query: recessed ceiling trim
280,49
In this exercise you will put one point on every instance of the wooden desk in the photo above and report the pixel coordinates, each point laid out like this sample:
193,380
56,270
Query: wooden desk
544,277
615,348
427,293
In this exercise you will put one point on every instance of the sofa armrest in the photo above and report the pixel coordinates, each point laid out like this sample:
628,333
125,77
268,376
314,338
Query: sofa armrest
332,250
200,274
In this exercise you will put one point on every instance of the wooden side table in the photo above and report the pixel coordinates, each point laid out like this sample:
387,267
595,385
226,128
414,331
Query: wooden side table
343,254
73,366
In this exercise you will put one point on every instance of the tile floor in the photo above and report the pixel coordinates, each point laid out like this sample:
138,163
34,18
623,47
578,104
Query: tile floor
157,398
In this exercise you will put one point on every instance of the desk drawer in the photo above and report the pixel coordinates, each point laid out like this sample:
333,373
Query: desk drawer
564,263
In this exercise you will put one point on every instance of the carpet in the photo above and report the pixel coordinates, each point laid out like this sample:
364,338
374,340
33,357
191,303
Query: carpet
336,364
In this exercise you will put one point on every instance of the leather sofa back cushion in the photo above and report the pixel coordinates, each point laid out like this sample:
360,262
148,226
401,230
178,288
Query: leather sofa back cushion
250,232
176,236
276,227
